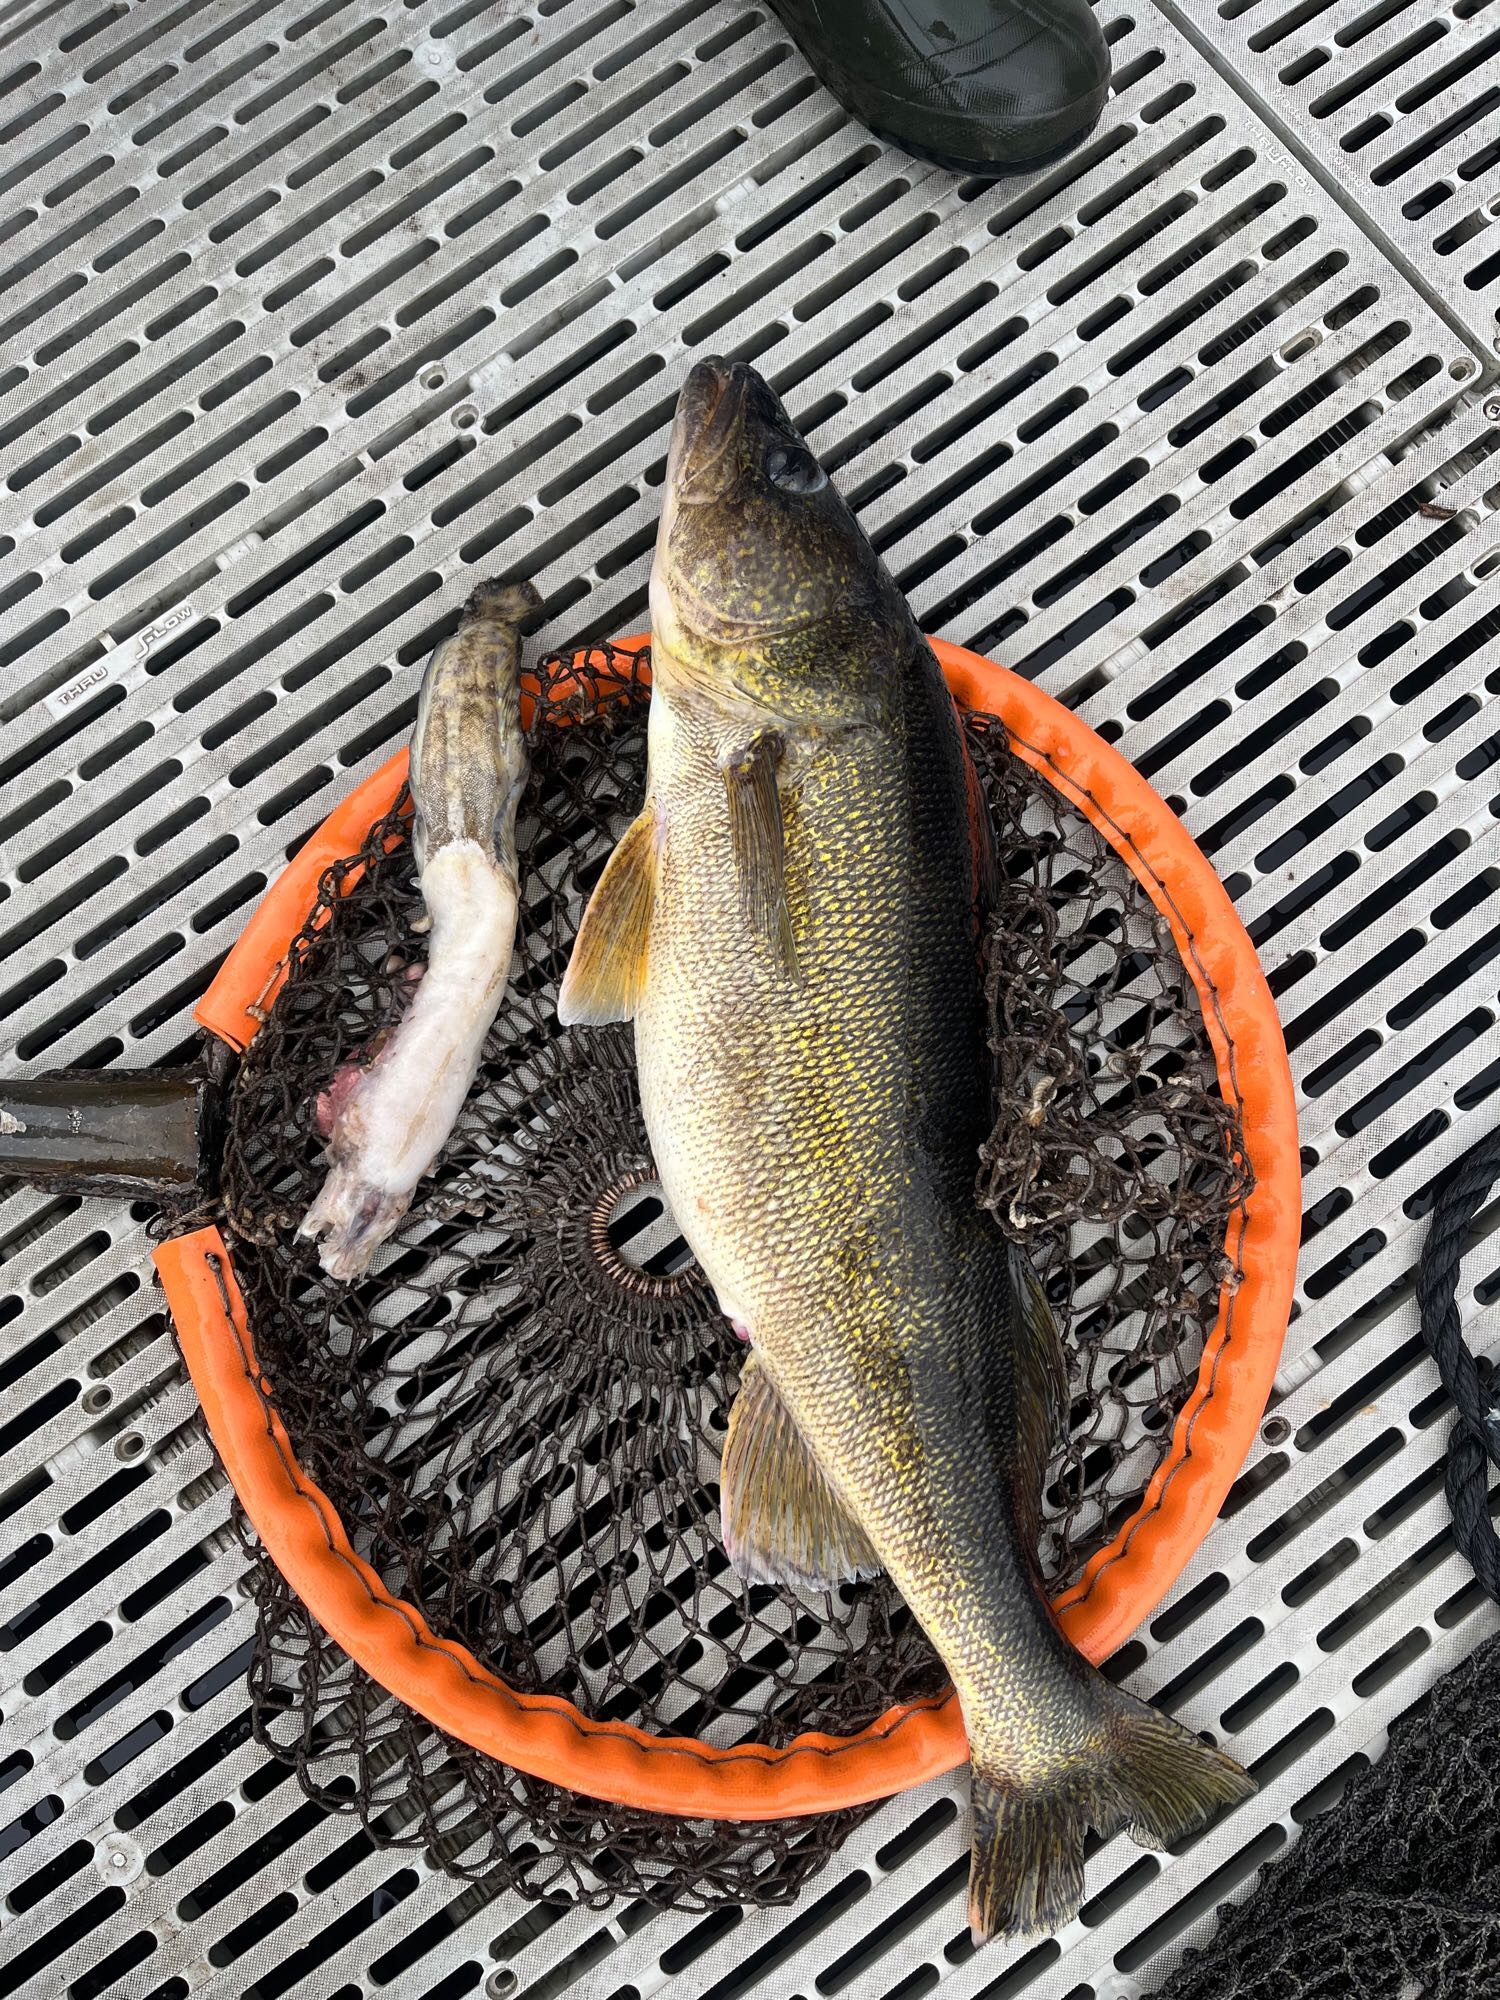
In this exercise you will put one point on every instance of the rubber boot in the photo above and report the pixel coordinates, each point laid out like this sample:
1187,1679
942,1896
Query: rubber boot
980,86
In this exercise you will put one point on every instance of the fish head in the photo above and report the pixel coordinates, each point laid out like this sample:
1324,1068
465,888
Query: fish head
765,594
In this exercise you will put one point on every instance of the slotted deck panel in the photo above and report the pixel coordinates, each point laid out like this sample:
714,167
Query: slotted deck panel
305,311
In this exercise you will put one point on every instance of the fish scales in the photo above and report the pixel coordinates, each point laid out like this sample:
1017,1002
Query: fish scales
803,966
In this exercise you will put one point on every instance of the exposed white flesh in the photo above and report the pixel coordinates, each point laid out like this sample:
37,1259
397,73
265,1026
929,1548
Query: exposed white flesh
397,1118
468,765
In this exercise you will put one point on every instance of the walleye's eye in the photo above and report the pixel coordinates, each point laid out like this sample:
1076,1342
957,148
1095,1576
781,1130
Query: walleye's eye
794,470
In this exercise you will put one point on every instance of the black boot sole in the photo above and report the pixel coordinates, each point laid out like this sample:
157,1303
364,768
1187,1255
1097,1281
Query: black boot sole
980,170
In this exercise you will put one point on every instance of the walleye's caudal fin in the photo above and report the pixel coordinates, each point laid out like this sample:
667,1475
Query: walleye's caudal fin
603,979
1142,1772
1026,1869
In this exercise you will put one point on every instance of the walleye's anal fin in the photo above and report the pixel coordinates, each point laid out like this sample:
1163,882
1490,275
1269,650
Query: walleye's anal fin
1141,1772
1041,1386
783,1522
757,835
606,971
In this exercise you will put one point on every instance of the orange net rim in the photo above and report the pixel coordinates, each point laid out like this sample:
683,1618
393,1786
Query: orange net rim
1122,1583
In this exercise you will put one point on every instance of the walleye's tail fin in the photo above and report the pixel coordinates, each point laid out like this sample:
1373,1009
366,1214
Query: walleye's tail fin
1166,1781
1026,1868
1141,1772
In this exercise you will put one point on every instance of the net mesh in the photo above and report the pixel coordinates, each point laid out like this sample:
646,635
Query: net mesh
1395,1891
519,1414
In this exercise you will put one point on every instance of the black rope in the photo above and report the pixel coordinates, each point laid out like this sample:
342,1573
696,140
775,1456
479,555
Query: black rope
1475,1442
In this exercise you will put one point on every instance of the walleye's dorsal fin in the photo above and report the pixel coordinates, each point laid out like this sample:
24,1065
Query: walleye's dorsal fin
981,832
1041,1386
758,838
783,1522
608,965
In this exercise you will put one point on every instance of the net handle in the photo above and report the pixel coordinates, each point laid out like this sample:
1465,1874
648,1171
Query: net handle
1121,1585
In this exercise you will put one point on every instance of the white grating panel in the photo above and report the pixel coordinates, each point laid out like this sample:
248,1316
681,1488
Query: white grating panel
1398,103
305,311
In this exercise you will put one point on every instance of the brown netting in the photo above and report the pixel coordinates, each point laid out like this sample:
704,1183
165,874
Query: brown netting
519,1415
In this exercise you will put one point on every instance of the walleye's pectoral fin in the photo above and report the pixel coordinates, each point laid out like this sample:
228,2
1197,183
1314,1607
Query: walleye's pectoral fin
758,838
1041,1384
782,1521
605,973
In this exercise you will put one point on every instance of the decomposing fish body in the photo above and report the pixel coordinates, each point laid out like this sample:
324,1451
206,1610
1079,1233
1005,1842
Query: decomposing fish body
468,766
802,962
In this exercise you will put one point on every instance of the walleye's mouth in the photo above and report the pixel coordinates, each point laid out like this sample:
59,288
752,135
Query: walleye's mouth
700,465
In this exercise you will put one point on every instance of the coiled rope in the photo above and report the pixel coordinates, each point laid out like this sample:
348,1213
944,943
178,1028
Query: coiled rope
1475,1443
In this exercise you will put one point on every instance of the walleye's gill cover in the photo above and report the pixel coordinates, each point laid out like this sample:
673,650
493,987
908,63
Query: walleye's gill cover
527,1448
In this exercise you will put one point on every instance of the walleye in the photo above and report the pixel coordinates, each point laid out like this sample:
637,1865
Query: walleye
468,767
793,922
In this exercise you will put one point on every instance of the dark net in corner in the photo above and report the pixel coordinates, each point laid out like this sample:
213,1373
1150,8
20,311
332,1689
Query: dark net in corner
519,1415
1395,1891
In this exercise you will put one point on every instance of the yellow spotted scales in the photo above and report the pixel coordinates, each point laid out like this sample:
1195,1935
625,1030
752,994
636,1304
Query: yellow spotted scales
793,922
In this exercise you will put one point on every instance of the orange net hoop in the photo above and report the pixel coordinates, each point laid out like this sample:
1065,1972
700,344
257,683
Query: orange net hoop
548,1737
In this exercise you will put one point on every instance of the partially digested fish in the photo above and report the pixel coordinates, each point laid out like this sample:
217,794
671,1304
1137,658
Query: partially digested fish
794,924
468,767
